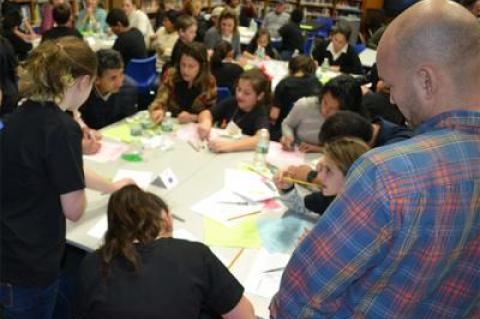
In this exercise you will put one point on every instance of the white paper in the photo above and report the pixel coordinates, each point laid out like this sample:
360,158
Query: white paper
99,229
142,178
249,185
184,234
263,283
224,205
109,152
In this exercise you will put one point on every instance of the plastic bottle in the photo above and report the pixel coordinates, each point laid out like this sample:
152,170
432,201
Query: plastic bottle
259,159
260,53
167,123
325,65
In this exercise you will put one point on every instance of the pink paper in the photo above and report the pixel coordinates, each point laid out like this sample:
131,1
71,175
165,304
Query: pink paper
109,152
282,159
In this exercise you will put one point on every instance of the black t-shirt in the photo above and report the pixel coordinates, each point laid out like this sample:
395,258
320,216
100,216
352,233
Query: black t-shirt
348,62
8,82
252,48
250,122
290,89
292,37
227,75
98,113
178,279
317,202
41,159
131,45
59,32
185,96
21,48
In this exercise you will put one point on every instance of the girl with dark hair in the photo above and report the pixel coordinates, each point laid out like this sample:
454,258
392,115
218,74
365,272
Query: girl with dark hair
142,272
300,82
302,125
21,41
245,113
188,89
341,55
260,47
224,69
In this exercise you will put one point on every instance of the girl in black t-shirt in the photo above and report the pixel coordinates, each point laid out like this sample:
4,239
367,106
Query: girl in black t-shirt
142,272
245,114
224,69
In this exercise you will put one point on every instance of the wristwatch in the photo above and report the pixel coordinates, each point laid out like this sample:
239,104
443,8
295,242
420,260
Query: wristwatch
311,175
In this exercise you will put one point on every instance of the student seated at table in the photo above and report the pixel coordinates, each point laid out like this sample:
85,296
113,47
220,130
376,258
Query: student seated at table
139,20
141,271
92,18
247,112
129,42
164,39
338,156
226,29
20,40
223,67
292,38
341,55
46,13
302,125
187,30
260,46
43,178
113,95
186,90
194,9
300,82
62,15
248,12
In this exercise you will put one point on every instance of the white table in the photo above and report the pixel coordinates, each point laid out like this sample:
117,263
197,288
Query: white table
200,174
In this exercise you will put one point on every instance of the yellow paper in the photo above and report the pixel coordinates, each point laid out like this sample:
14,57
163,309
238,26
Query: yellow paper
244,234
119,132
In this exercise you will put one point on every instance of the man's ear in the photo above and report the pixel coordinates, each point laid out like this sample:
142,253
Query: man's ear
426,83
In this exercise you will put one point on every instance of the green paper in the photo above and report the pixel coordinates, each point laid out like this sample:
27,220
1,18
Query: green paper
119,132
244,234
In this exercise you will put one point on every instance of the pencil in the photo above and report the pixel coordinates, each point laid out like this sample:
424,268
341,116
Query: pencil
180,219
241,216
193,146
297,181
234,260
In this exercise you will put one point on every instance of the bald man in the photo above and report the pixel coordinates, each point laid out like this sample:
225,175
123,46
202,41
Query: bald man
403,238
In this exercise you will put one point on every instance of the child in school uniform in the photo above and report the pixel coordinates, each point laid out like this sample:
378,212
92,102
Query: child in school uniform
247,112
224,68
141,271
186,90
187,30
260,46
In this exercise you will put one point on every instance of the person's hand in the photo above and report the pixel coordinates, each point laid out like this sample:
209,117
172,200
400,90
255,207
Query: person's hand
219,146
121,183
309,148
287,143
335,68
267,57
203,130
157,115
160,51
299,172
184,117
90,141
209,53
279,180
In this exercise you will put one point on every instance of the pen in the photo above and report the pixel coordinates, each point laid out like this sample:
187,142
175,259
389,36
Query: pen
244,215
273,270
193,146
233,203
180,219
297,181
234,260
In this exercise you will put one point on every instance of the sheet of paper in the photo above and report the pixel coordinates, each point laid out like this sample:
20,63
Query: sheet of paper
243,235
99,229
118,132
188,133
282,235
261,282
142,178
225,207
249,185
282,159
109,152
182,233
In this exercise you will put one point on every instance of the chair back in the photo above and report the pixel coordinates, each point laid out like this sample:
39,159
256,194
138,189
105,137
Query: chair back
308,46
144,72
223,93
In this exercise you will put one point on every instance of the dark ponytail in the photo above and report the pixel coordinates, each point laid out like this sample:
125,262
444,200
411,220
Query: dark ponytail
220,52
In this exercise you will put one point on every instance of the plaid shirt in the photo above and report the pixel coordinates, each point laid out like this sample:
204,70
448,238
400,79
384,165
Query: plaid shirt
403,238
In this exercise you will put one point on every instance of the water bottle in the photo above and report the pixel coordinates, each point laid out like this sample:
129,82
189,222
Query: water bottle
325,65
260,53
167,123
259,159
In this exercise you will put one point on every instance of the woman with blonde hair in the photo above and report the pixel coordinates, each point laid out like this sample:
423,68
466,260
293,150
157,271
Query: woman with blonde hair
142,272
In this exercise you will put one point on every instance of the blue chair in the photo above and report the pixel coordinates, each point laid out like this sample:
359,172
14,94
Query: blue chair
325,24
359,47
144,72
308,46
223,93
